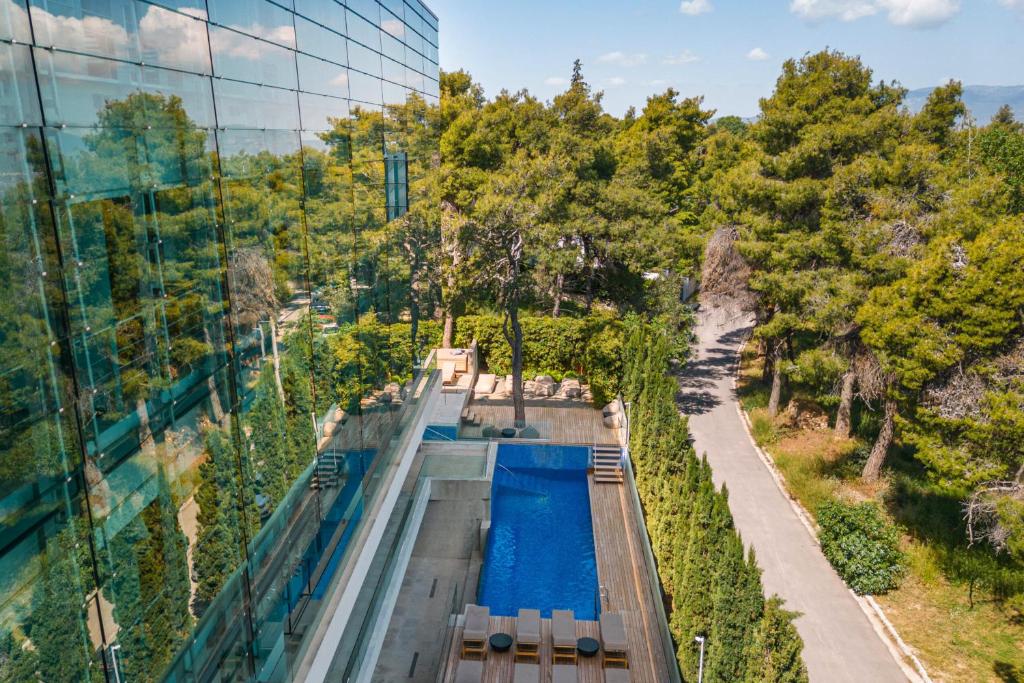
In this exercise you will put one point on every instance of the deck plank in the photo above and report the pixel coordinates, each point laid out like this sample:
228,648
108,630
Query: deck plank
558,421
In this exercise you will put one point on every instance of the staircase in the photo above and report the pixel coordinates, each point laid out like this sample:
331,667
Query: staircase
608,464
328,468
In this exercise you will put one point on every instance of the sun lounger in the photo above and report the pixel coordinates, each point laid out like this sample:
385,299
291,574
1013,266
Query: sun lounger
564,673
613,641
469,671
447,372
616,676
527,673
474,632
563,636
528,636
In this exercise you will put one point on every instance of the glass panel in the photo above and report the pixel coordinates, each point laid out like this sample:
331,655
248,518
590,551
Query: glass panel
19,100
324,12
392,48
363,59
393,71
394,94
242,105
364,88
393,25
368,9
325,78
84,91
14,21
319,41
248,59
397,7
363,31
257,18
319,113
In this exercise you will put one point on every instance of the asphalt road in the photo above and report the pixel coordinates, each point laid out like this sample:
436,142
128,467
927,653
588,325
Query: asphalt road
840,643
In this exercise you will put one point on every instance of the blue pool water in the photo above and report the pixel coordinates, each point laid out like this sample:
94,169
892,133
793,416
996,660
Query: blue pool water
540,551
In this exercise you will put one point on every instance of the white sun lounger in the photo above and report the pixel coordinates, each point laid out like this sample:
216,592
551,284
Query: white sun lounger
474,632
528,636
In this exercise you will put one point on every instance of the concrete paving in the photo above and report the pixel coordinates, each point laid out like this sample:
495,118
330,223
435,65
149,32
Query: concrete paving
442,569
840,643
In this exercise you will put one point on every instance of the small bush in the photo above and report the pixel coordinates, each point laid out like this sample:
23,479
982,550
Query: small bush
862,546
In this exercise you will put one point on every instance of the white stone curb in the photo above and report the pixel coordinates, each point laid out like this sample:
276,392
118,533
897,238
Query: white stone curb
899,650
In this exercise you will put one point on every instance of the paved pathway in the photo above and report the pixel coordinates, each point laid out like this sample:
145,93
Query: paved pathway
839,641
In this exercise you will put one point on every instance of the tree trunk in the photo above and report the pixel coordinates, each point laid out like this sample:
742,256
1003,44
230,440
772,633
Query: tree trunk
277,358
843,417
766,369
515,339
559,284
589,260
449,330
776,396
873,467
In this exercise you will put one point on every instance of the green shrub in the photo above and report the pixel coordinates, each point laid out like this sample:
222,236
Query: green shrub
862,546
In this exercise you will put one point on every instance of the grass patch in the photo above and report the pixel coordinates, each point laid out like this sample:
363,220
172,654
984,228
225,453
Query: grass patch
949,606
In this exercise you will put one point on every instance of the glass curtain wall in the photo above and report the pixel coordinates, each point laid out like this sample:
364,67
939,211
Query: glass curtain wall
209,320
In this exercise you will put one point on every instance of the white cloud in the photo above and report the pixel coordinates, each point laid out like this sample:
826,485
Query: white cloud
920,12
623,59
684,57
757,55
1012,4
915,13
695,7
657,83
556,81
847,10
394,27
616,81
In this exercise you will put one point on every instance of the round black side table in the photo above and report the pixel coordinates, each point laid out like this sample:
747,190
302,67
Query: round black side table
508,433
501,642
587,647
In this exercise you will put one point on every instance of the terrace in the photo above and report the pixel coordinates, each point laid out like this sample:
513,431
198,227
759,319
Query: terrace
434,555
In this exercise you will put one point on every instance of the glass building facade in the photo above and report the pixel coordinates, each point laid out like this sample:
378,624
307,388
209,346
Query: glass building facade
207,323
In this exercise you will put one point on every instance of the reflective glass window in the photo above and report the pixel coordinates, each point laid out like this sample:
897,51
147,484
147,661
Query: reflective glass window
319,112
396,7
248,59
393,71
14,21
414,79
258,18
393,93
413,60
318,41
364,59
412,18
368,9
79,91
393,25
325,78
243,105
364,88
325,12
363,31
392,48
19,101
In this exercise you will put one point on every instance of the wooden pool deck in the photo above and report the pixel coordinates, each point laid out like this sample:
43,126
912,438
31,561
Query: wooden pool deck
625,587
560,421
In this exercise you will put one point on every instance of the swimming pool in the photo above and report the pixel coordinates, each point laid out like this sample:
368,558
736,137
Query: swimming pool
540,550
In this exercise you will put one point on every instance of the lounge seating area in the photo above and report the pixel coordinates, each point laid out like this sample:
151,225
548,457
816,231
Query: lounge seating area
529,649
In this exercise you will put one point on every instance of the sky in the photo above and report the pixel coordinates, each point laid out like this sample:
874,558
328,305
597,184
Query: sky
729,51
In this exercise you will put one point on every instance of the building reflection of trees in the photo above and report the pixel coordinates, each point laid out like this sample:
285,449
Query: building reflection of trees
152,213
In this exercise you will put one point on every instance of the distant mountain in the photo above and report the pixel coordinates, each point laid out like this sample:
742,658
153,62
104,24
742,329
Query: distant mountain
983,100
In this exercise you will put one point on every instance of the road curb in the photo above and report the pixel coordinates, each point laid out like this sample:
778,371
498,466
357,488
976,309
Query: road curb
884,628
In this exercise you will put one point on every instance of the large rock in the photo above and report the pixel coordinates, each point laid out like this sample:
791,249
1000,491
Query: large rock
545,385
571,388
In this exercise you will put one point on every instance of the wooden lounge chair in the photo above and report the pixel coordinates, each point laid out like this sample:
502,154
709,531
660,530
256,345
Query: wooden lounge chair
474,632
528,636
616,676
447,372
613,641
564,673
563,636
527,672
469,671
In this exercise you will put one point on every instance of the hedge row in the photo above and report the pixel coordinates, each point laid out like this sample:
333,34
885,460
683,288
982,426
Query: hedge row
589,348
714,588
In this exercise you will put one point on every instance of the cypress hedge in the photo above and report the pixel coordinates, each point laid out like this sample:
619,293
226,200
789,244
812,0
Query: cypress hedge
712,585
